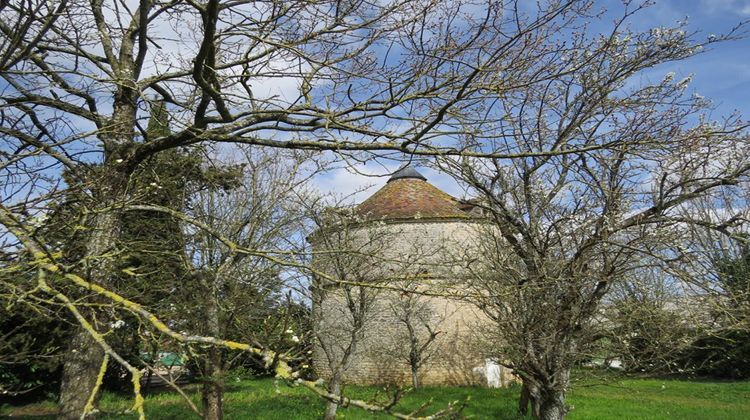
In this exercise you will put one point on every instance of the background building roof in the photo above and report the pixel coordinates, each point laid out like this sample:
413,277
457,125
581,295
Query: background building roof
408,195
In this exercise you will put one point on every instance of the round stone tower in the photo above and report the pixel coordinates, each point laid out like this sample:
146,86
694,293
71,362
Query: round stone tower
388,303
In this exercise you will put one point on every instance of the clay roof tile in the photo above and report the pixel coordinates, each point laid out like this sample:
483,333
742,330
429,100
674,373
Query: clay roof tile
408,195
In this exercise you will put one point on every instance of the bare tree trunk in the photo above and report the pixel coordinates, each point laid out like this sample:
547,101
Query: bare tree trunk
524,400
552,405
414,358
550,397
529,396
81,368
85,356
415,354
213,387
334,388
79,374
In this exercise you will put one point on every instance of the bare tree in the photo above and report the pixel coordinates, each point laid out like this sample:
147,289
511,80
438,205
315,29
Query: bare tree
342,311
649,322
24,25
421,322
563,229
712,265
561,235
366,80
262,211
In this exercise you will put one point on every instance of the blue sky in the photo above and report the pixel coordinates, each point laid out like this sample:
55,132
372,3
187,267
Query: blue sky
721,73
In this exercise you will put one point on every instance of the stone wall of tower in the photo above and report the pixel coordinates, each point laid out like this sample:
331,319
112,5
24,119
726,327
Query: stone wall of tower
425,255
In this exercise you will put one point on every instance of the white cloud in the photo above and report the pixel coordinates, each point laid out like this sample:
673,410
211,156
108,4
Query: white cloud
356,184
740,7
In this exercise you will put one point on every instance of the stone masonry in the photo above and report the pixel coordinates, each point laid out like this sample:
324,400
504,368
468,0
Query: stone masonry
409,236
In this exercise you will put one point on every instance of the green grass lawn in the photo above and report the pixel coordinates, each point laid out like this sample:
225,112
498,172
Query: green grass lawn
591,399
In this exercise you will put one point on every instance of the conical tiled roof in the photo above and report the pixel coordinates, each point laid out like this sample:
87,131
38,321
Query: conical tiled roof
408,195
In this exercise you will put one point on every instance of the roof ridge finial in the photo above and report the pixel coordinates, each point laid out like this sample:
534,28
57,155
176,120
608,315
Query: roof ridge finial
406,172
